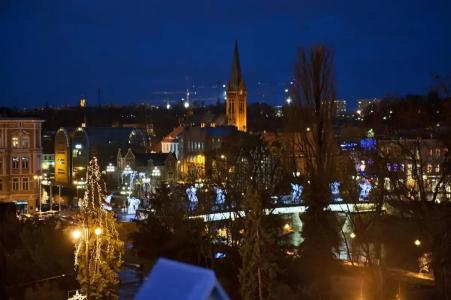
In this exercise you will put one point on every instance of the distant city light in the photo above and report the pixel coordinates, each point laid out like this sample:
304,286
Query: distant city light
417,242
352,235
289,100
168,106
186,104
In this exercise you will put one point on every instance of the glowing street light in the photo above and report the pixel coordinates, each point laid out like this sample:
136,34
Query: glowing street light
76,234
417,243
352,235
287,228
98,231
186,104
288,100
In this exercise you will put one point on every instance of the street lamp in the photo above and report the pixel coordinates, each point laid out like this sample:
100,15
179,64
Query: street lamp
98,231
76,234
417,243
39,178
352,235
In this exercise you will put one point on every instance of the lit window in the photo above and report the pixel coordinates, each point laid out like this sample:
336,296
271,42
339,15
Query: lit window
15,142
15,163
437,152
437,168
429,168
15,184
156,172
25,163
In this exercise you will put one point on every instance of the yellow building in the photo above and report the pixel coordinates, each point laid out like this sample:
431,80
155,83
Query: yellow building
236,96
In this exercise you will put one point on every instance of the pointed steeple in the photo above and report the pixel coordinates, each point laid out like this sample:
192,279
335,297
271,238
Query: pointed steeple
236,79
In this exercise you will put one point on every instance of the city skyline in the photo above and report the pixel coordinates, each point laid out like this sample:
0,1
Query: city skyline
57,53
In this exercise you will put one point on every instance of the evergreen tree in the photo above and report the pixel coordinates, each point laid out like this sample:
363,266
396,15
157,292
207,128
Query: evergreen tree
258,266
99,251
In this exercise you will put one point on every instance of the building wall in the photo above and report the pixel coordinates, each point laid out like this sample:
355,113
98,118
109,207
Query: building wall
170,147
20,160
192,152
236,109
62,157
80,155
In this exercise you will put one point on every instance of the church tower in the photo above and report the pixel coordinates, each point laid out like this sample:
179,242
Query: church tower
236,96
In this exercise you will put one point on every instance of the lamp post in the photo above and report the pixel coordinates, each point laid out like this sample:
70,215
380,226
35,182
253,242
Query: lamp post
59,198
39,178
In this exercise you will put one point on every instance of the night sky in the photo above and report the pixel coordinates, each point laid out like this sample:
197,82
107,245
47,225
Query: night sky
53,51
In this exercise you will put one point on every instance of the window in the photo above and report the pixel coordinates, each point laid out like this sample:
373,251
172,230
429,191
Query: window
429,168
15,142
437,168
25,142
1,165
25,163
437,152
1,184
25,183
15,184
15,163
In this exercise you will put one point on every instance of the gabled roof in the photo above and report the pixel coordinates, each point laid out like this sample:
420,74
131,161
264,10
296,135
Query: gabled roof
179,281
172,136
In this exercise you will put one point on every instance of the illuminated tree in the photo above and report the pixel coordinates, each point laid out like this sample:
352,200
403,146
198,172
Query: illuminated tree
98,251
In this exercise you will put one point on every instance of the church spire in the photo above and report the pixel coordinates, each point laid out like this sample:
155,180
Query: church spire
236,79
236,95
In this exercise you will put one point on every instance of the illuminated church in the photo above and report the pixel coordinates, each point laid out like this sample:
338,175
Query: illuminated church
236,96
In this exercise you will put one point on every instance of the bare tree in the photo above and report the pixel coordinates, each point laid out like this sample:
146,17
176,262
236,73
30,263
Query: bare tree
421,193
310,119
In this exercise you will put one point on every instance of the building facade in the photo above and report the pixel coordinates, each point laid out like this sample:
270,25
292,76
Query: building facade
170,143
236,96
340,108
75,147
144,172
20,161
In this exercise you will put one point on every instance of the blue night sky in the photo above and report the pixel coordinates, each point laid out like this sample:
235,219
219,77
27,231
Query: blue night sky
53,51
